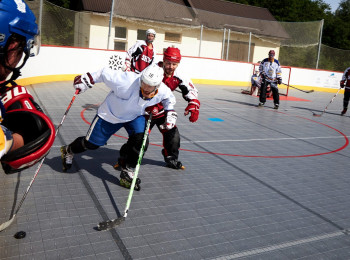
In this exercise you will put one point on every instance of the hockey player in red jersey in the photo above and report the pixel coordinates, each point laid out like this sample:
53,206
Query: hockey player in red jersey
171,137
141,54
26,133
345,83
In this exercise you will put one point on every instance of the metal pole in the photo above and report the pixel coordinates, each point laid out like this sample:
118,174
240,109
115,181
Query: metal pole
250,40
319,45
228,43
200,41
223,45
40,15
110,24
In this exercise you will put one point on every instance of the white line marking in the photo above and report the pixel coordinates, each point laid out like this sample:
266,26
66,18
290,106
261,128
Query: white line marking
280,246
241,140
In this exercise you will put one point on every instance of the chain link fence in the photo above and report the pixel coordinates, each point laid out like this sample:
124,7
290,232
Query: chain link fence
299,43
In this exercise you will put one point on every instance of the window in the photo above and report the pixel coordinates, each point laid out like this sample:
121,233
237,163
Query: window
120,38
120,46
141,34
120,32
238,51
172,37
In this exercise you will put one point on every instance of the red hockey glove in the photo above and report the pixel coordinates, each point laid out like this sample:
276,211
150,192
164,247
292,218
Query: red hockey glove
83,82
342,84
193,107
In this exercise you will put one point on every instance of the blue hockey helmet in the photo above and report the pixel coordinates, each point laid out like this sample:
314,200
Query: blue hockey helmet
17,24
17,18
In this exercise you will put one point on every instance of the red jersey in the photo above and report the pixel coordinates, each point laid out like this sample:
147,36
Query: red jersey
186,86
140,56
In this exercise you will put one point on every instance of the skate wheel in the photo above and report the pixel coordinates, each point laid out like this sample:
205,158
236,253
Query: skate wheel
116,166
182,167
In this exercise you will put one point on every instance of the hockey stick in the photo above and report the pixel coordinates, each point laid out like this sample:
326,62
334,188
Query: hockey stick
108,224
324,110
9,222
305,91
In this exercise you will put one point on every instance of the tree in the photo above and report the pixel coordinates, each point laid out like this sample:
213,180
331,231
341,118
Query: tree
62,3
336,30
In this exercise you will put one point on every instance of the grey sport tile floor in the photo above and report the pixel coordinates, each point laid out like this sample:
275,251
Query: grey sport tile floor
258,184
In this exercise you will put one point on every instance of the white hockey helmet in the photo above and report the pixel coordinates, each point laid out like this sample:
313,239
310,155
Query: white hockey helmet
152,75
151,31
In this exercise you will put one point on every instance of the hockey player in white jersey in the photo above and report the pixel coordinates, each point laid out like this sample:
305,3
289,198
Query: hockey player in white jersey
271,74
124,106
171,137
141,54
255,83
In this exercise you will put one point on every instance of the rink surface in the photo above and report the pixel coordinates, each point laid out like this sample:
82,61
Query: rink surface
258,184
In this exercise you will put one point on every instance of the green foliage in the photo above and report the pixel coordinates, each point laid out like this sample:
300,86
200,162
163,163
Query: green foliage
336,30
62,3
58,28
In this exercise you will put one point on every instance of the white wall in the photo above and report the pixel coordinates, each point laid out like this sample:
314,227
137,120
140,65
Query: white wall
63,63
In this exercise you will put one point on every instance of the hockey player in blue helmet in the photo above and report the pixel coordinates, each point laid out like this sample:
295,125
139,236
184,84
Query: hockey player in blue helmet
19,38
22,143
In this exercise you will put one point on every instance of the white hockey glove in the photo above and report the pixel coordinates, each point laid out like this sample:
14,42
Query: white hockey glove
170,120
83,82
126,66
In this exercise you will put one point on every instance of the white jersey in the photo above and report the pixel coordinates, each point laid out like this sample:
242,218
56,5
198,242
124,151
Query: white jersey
124,102
256,80
271,69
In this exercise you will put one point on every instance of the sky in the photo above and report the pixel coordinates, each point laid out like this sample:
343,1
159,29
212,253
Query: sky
333,3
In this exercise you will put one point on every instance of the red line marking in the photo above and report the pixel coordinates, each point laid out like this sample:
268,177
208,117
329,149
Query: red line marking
254,156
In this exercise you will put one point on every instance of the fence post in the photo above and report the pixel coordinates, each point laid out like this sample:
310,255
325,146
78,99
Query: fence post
228,43
223,45
40,15
319,44
200,41
110,24
250,40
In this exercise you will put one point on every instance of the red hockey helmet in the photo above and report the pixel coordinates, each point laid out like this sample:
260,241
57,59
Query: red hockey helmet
25,117
172,54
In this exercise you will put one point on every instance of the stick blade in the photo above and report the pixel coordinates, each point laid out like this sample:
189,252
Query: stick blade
6,224
108,224
317,115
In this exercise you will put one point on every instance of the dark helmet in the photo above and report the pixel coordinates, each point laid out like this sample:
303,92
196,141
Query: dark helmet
16,19
272,53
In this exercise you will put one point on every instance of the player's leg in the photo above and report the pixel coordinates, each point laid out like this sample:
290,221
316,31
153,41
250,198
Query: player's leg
345,101
262,96
171,143
130,151
98,134
275,94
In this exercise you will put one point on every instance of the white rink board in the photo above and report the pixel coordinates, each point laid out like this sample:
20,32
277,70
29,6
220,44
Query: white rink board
54,60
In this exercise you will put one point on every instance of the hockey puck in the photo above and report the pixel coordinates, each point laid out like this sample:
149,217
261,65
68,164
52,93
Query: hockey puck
20,235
